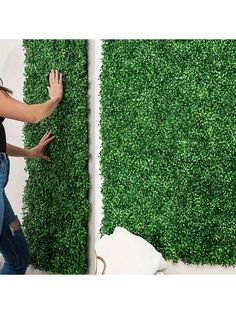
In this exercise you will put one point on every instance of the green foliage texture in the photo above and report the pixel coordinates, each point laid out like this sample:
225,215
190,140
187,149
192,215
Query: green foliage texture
56,207
168,159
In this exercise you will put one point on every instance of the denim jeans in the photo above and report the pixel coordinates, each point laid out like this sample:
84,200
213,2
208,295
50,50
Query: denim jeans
13,245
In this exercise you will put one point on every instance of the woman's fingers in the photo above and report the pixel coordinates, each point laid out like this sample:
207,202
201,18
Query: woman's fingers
47,138
44,137
47,141
55,77
51,77
60,78
55,90
45,157
47,135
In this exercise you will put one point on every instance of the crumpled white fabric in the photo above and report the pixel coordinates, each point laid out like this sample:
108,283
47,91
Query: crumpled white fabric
126,253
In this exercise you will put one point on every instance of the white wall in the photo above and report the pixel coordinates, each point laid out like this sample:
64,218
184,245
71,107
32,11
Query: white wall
11,71
94,49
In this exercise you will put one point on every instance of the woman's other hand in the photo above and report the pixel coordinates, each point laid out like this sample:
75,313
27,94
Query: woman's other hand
37,151
55,90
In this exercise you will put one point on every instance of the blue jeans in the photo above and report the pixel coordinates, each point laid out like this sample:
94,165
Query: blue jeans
13,245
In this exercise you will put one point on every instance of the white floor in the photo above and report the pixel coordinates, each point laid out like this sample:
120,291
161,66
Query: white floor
172,269
184,269
32,271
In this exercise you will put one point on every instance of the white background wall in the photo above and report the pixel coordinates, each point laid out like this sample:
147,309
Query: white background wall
11,71
94,50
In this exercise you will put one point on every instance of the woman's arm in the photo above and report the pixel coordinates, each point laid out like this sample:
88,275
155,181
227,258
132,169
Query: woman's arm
17,151
35,152
17,110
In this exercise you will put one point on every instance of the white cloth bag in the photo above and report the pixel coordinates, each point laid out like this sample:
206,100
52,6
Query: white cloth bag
125,253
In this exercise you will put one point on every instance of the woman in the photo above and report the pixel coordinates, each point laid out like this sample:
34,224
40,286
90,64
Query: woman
13,245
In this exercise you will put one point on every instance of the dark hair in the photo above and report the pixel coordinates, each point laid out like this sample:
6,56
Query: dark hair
4,89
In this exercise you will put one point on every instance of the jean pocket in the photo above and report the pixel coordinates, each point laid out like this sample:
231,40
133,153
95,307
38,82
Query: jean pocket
4,171
2,157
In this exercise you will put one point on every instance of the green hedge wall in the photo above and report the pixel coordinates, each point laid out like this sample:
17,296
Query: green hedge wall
169,145
56,207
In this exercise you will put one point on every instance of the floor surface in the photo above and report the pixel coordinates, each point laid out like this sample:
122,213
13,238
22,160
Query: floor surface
183,269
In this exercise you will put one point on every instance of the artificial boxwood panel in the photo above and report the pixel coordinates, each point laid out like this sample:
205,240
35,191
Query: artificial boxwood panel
168,159
56,207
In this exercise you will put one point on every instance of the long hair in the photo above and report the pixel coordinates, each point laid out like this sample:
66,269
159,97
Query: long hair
4,89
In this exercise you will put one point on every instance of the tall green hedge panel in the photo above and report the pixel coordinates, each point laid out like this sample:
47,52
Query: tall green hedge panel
56,207
168,159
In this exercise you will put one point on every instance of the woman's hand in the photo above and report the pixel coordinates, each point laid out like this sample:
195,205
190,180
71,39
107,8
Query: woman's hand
37,151
55,90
